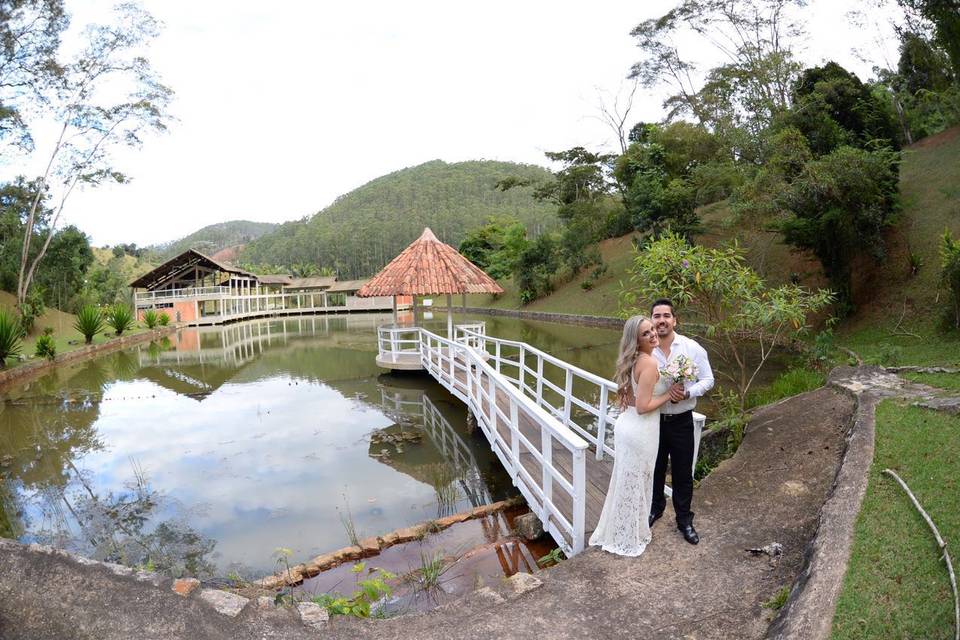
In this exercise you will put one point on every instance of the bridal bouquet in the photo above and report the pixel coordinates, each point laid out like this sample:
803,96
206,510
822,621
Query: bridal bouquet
681,369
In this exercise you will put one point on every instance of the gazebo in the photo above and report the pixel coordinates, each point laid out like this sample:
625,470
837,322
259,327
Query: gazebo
429,267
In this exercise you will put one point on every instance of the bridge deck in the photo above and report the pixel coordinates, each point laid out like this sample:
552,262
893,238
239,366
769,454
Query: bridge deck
598,472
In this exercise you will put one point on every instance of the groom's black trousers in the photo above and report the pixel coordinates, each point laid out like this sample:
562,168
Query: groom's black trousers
676,442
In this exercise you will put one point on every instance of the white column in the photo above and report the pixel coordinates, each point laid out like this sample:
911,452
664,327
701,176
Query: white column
449,317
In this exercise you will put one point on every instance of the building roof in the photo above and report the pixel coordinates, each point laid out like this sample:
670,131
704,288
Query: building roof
316,282
276,278
429,267
347,285
174,266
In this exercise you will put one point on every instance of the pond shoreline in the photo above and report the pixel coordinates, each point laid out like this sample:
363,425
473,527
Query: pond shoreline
28,370
548,316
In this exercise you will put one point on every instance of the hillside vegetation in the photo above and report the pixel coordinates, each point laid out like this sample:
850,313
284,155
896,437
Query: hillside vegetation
885,294
213,238
365,228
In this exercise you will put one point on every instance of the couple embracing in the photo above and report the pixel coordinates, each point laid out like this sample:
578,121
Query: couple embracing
660,374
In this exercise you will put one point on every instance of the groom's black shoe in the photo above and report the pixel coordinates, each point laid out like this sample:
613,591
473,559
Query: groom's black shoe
653,517
689,533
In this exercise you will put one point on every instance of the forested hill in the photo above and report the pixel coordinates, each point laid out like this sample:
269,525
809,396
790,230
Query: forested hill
364,229
214,237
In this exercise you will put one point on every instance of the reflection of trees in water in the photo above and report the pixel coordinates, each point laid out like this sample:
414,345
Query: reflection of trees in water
122,527
41,438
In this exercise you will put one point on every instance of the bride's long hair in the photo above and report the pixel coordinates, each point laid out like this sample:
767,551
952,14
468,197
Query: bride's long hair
627,358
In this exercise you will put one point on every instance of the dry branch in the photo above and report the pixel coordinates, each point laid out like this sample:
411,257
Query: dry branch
943,547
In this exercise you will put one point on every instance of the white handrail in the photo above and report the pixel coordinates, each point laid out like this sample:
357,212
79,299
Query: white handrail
483,389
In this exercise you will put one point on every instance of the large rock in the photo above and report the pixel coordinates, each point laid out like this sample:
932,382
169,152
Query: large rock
528,526
313,615
229,604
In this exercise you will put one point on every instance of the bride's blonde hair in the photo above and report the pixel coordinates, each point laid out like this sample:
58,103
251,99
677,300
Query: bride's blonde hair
627,359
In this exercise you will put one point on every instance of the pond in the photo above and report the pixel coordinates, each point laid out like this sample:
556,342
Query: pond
208,451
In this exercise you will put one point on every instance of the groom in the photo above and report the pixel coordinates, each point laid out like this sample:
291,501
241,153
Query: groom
676,420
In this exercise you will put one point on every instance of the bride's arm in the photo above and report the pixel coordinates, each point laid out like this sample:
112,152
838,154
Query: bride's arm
646,401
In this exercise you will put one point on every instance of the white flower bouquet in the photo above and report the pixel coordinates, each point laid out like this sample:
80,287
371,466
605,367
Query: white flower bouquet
681,369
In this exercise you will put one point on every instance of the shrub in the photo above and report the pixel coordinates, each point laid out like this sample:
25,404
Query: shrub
45,347
586,285
120,318
48,331
163,319
89,322
9,336
150,318
950,273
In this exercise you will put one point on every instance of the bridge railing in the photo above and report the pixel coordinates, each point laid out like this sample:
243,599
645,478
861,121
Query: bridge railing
393,341
552,479
530,369
575,389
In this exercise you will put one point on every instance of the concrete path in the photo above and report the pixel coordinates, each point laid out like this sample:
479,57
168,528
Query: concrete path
794,481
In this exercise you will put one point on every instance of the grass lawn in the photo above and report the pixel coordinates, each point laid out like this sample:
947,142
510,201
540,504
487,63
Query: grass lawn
950,381
896,585
877,346
62,340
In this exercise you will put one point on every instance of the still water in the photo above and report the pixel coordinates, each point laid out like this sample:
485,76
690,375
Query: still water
208,451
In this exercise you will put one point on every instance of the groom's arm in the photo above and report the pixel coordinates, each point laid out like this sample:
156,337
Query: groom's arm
704,373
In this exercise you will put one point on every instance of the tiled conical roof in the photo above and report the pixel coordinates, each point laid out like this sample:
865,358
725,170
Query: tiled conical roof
429,267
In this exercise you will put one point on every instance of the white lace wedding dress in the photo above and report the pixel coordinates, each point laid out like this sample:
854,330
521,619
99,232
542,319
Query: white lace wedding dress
623,527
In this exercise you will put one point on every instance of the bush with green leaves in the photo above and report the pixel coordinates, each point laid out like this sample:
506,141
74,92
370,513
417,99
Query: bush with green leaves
120,318
9,336
950,274
150,318
367,593
45,347
744,320
89,322
163,319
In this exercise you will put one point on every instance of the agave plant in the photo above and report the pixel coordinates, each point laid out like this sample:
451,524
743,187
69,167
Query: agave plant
45,347
9,336
163,319
150,318
89,322
120,318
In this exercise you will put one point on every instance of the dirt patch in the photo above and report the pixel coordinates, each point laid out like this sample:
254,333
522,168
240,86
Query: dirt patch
934,141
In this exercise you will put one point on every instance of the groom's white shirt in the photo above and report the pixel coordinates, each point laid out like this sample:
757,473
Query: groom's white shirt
683,345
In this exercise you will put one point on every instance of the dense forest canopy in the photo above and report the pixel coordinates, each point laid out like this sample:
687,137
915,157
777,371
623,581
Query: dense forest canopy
364,229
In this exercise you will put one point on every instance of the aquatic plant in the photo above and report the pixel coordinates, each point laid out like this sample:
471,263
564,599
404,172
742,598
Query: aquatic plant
150,318
89,322
9,336
120,318
431,570
281,556
367,593
552,558
349,526
45,347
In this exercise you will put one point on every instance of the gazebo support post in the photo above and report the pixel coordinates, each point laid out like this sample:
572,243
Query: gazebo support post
394,310
449,317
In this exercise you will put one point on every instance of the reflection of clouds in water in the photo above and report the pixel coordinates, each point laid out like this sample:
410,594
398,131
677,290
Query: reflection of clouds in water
271,462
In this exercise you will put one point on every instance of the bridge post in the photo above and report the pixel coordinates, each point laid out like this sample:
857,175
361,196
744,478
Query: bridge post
579,500
602,421
515,440
567,393
546,452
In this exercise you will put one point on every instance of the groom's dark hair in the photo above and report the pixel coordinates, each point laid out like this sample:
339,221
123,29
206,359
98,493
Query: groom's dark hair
663,302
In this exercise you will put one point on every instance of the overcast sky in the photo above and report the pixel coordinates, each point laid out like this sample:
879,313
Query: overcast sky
284,106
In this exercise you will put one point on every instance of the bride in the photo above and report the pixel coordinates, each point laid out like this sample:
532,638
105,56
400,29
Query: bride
623,527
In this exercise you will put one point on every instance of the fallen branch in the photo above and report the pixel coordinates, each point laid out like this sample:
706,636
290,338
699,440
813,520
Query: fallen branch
943,546
853,354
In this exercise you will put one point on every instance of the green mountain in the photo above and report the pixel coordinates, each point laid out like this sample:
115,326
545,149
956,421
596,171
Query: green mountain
214,238
364,229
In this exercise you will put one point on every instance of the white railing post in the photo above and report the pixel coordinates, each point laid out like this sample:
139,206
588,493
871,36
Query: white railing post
546,452
539,380
602,421
496,358
579,499
393,345
567,391
515,440
522,367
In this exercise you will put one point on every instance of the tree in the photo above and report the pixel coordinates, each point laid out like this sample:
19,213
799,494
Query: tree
29,39
744,321
950,273
942,19
753,36
93,122
839,206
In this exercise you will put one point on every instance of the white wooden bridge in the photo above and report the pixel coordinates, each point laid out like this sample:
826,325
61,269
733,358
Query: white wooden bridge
549,422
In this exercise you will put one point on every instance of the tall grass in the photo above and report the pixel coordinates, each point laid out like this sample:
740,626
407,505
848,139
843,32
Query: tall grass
789,383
